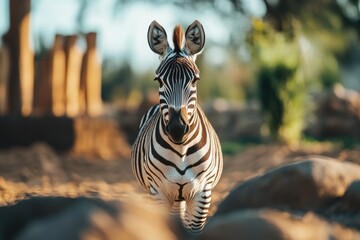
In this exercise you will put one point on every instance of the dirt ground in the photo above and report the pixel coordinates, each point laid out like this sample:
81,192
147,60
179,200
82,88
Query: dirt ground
39,171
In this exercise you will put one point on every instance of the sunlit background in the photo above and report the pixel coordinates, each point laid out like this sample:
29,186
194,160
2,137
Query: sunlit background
274,56
122,27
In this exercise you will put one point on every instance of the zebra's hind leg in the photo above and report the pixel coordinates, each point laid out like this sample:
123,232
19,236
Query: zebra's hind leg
197,211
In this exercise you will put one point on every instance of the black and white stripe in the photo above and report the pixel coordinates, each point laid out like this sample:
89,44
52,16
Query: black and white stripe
178,173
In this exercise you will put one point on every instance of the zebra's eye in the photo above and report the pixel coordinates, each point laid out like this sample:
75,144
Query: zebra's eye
159,81
193,82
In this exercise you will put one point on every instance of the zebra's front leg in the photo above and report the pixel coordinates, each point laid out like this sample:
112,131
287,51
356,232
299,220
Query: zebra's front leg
197,211
178,209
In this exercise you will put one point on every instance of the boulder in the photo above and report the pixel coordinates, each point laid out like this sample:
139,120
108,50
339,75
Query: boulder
306,185
273,224
346,210
352,197
85,218
313,198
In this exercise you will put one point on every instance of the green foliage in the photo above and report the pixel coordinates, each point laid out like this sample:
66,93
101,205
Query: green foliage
280,84
335,142
328,40
282,97
234,147
329,74
231,148
293,54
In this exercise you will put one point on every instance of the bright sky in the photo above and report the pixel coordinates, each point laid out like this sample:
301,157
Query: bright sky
121,35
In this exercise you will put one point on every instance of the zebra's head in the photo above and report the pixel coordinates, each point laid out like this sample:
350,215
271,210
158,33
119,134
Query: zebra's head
177,75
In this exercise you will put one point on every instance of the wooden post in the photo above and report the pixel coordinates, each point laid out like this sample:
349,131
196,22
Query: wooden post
91,77
21,77
4,78
57,76
73,69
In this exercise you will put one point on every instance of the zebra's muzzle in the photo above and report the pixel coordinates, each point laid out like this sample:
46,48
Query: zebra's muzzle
178,126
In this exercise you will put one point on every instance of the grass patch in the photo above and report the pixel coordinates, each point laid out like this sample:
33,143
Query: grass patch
233,147
341,142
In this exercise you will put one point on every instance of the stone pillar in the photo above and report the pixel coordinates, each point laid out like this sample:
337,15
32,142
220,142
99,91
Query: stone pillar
72,76
57,76
21,83
4,78
91,77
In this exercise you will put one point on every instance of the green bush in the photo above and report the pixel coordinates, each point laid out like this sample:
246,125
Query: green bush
329,74
281,87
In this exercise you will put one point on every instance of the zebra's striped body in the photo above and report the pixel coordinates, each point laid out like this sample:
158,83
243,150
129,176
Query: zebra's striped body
177,156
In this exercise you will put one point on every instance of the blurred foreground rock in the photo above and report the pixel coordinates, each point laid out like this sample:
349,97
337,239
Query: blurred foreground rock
307,185
314,198
58,218
275,225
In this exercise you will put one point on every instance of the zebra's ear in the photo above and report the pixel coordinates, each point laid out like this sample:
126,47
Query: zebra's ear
195,38
157,38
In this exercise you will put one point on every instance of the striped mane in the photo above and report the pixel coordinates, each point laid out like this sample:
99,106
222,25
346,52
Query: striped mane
178,38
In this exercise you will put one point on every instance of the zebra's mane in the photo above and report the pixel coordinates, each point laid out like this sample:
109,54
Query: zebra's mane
178,38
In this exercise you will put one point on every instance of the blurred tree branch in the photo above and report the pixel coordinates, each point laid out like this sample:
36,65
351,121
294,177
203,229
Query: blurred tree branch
279,13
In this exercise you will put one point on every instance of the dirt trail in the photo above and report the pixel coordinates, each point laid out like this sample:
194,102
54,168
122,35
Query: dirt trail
39,171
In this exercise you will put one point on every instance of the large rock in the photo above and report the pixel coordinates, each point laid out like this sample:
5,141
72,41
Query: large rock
313,198
308,184
274,225
346,210
84,218
352,196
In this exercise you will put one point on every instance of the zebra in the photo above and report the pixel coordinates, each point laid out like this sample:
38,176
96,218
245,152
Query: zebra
177,155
